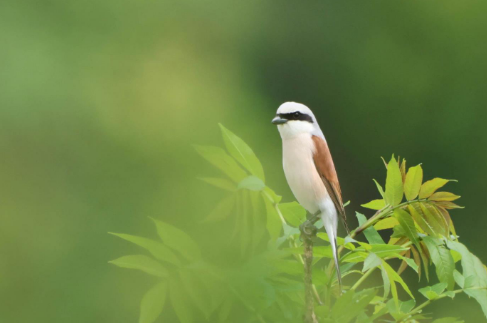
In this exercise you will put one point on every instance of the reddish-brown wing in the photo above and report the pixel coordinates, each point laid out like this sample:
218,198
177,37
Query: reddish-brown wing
326,169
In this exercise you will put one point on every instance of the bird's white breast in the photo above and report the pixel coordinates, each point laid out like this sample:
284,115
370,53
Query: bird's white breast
301,173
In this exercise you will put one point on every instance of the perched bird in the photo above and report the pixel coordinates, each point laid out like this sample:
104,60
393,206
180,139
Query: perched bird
309,168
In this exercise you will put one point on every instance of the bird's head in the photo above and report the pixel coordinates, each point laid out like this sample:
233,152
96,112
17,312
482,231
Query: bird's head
295,118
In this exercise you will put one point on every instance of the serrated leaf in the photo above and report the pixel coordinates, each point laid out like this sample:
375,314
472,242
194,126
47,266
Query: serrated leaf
152,303
418,217
443,196
222,210
178,240
221,160
442,259
379,188
239,150
411,263
413,181
394,185
387,282
407,223
402,168
434,219
375,205
387,223
143,263
371,261
394,277
449,205
373,237
429,187
432,292
157,249
222,183
252,183
293,213
471,264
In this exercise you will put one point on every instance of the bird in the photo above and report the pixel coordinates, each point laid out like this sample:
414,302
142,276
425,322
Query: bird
309,169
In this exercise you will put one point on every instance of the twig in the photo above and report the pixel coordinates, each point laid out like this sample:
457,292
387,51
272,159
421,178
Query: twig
308,230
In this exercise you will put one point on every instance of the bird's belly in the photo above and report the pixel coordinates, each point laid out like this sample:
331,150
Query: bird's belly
301,173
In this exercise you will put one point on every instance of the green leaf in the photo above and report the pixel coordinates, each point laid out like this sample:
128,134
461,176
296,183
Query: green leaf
386,250
443,196
252,183
394,277
373,237
178,240
293,213
274,223
418,217
432,292
407,223
375,204
347,242
157,249
179,301
394,185
379,188
387,223
434,219
143,263
443,261
152,303
471,265
239,150
371,261
342,312
429,187
222,210
387,282
400,310
411,263
412,185
221,160
271,195
222,183
196,291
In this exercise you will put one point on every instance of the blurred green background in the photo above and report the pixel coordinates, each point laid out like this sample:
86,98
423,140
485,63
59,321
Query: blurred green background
100,102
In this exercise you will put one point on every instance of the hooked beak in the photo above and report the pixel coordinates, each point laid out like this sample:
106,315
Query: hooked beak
279,120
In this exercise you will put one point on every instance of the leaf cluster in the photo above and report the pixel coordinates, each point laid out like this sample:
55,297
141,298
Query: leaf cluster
267,286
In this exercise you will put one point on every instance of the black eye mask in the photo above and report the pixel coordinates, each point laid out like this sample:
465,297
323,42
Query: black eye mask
296,116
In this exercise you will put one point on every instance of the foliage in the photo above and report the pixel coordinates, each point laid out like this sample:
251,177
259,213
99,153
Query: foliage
266,285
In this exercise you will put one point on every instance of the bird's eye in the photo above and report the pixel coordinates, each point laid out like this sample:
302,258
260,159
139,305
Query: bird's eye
297,113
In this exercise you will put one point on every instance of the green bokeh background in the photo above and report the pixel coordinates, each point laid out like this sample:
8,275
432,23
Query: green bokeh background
100,102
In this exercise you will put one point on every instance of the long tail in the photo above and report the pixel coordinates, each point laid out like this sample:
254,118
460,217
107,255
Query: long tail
331,230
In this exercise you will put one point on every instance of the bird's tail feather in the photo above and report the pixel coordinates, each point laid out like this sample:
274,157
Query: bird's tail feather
331,231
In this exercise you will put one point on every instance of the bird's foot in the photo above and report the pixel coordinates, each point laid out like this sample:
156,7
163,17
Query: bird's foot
308,230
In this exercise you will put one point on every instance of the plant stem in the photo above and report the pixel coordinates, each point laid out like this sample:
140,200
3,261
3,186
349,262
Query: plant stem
310,316
363,278
293,244
420,307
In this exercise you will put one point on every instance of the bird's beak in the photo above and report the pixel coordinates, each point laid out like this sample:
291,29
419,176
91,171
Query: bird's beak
279,120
